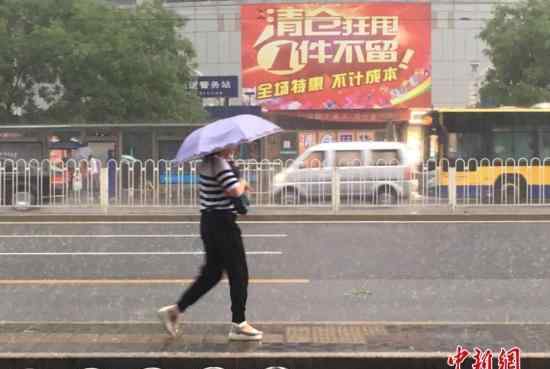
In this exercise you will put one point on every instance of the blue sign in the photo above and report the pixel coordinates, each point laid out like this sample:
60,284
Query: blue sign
218,86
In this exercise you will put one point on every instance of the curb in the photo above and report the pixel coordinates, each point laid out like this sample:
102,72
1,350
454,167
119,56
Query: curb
159,218
240,361
413,347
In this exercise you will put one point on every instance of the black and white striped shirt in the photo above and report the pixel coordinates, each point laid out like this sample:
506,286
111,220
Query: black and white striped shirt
216,176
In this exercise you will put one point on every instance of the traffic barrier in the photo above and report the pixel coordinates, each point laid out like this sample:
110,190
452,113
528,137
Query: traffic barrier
289,184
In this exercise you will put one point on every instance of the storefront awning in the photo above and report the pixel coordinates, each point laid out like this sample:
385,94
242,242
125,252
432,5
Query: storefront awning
346,116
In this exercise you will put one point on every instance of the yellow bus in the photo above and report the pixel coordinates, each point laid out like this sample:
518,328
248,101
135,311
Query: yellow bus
500,155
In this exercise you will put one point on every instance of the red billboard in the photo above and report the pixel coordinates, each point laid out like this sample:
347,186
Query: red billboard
337,56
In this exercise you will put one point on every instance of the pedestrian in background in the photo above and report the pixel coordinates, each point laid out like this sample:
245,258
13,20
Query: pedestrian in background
111,164
94,167
221,197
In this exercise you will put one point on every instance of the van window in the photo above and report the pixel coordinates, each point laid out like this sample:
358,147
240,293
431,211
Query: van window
385,157
348,158
314,160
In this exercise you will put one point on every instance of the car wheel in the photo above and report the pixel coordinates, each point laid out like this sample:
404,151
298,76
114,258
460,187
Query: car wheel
289,196
386,196
24,200
511,190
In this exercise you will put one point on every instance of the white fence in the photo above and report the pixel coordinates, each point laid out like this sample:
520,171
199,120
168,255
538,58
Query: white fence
275,183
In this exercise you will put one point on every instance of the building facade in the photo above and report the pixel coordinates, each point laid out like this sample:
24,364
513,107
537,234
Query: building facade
458,65
458,61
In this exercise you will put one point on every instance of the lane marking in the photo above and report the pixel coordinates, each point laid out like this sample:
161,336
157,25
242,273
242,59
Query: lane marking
400,221
140,281
107,253
277,235
158,222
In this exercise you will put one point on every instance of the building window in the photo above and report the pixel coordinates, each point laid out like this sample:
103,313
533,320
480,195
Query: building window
345,136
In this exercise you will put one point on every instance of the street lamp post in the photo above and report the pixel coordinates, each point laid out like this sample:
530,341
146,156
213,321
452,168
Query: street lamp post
249,94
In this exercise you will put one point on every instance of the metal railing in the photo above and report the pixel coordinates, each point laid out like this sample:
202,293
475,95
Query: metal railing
313,184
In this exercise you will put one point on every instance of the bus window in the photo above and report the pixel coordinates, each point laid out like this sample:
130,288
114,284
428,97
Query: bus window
469,146
453,146
504,145
515,145
545,145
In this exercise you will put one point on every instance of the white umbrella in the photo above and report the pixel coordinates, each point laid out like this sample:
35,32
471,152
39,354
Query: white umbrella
224,133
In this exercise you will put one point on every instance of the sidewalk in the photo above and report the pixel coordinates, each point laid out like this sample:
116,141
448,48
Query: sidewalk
290,344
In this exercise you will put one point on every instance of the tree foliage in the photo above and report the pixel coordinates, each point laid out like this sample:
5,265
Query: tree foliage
88,61
518,39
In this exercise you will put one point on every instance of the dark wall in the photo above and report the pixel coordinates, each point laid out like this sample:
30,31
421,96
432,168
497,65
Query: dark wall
138,144
221,112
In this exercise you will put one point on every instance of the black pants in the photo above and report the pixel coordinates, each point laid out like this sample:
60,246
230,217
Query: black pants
224,252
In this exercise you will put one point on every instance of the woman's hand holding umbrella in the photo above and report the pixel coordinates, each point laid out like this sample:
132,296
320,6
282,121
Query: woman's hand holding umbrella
246,186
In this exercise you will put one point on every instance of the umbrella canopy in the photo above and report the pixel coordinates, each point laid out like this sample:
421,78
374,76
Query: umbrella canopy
225,133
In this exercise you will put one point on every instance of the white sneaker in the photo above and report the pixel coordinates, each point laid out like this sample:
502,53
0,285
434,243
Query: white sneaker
169,316
244,332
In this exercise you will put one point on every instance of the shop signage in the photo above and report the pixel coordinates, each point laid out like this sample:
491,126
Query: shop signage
337,56
353,116
10,135
289,141
217,86
420,117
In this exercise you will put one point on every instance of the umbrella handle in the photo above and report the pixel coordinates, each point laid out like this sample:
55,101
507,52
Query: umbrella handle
246,186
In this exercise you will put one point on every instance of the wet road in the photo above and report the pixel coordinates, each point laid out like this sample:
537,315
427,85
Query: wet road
309,271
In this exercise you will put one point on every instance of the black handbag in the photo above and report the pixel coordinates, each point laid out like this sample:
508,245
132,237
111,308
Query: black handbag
241,203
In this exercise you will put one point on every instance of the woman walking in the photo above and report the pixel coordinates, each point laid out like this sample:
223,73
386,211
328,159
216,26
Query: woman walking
221,197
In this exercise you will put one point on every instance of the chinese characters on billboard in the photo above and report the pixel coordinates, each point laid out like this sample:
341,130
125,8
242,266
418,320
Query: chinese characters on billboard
337,56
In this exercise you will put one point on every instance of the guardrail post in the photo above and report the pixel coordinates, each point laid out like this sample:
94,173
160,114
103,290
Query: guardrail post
335,189
104,188
452,187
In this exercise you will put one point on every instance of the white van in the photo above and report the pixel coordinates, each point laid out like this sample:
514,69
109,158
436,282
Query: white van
379,171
